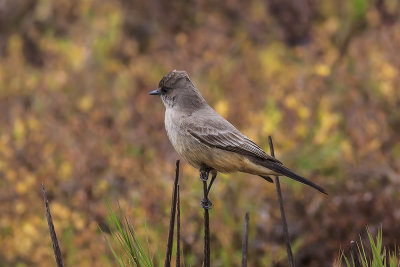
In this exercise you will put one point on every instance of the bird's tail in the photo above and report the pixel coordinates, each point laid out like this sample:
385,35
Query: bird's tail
279,168
267,178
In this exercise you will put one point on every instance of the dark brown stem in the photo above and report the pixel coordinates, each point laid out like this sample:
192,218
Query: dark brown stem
206,206
245,240
178,231
280,199
167,262
56,248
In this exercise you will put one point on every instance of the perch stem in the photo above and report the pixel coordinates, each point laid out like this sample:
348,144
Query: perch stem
282,209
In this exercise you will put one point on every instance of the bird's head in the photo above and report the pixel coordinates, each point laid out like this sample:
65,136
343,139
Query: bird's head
177,91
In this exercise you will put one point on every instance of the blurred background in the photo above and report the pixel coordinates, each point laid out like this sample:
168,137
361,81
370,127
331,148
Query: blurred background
321,77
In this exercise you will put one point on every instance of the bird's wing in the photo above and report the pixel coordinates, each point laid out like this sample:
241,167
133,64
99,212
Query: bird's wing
215,131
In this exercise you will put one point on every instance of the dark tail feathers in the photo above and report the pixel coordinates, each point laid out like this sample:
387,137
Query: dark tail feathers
267,178
279,168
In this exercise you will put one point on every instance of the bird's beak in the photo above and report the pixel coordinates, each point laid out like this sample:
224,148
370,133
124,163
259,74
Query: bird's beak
155,92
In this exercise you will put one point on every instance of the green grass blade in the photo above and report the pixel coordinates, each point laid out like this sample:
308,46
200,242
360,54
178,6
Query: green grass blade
124,235
376,249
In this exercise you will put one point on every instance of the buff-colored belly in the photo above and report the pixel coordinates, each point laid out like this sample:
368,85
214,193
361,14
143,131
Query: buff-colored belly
198,154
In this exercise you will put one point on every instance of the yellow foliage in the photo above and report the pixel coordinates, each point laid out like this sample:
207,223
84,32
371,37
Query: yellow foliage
78,221
388,71
222,108
25,183
15,46
347,150
31,82
291,102
60,211
208,56
328,121
303,112
33,123
373,145
21,187
85,103
388,90
65,170
271,60
11,174
270,123
30,231
19,129
301,130
181,39
322,70
20,207
330,106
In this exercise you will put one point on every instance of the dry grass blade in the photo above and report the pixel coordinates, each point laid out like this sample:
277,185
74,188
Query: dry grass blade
54,241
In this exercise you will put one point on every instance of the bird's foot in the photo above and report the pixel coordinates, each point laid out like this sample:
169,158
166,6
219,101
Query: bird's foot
206,204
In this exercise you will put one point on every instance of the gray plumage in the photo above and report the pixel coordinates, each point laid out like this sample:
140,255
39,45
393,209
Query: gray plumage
205,139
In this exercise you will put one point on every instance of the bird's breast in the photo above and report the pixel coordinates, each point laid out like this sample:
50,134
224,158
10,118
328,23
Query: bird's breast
187,146
176,133
171,126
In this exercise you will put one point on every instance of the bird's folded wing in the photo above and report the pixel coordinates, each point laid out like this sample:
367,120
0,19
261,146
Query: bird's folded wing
228,139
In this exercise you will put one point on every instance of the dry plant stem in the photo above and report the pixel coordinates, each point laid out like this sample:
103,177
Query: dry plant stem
167,262
354,254
56,248
280,199
245,240
206,205
178,231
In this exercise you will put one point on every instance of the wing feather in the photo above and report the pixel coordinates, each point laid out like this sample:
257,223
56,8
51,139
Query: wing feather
228,138
207,126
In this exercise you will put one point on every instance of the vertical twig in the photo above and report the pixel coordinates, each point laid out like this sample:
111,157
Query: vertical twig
56,248
354,254
178,231
206,228
245,240
280,199
167,262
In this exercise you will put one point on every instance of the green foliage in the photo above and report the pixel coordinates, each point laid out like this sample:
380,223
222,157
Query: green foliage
381,256
358,8
124,244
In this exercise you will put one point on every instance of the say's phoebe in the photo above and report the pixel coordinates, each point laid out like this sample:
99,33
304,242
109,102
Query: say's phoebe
206,140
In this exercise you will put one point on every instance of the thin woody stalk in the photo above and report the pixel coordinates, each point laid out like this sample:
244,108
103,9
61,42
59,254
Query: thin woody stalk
170,243
178,230
245,240
283,216
56,247
206,229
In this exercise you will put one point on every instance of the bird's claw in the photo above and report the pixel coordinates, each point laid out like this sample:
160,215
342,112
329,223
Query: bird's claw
206,204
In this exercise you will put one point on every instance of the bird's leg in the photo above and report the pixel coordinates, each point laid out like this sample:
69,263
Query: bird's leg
214,175
205,202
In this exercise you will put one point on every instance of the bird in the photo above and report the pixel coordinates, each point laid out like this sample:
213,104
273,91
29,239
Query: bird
207,141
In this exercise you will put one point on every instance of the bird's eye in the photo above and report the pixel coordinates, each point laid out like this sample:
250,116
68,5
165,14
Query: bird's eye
164,90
